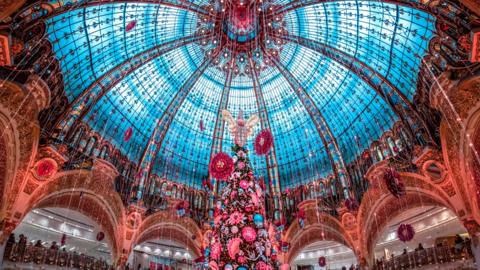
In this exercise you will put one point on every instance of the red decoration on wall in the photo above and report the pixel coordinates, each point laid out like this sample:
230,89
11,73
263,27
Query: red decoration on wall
322,261
263,142
100,236
405,232
221,166
128,134
130,26
394,183
46,168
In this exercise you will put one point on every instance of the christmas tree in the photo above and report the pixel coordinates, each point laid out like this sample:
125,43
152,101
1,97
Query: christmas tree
241,237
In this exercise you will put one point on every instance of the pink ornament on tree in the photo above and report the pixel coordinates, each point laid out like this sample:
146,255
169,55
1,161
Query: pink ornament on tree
234,247
243,184
249,234
241,165
216,250
263,142
221,166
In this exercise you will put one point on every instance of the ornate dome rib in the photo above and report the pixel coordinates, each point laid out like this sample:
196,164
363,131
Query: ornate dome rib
335,76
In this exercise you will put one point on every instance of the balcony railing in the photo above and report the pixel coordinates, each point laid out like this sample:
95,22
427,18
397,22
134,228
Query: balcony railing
422,258
43,256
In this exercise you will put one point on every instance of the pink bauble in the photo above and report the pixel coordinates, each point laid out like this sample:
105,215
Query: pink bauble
241,260
234,229
241,165
243,184
249,234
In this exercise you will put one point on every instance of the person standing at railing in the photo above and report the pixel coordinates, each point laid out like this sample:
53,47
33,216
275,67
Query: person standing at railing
459,243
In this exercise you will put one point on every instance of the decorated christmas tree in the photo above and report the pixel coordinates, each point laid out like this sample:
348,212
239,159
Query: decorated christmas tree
241,236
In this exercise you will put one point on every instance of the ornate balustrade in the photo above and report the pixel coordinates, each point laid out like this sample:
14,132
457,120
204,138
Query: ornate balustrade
44,256
421,258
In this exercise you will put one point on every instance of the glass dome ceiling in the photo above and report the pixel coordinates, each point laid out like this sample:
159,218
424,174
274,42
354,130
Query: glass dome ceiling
346,64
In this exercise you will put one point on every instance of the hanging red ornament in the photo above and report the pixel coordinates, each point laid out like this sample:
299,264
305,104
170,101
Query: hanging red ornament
394,182
322,261
263,142
100,236
405,232
221,166
202,128
46,168
63,240
130,26
128,134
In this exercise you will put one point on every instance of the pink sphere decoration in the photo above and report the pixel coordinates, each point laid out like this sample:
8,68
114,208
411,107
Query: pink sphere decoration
249,234
243,184
241,165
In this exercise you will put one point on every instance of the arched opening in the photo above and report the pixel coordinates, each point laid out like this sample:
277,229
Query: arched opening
434,241
61,237
164,239
334,254
162,252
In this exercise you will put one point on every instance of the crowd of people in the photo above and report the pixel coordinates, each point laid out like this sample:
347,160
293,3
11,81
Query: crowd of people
27,252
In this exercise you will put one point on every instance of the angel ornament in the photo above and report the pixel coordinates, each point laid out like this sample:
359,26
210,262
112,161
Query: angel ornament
240,129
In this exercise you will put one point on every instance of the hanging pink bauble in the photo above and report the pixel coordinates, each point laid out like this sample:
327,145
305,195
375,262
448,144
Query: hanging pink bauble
322,261
202,128
128,134
233,247
130,26
100,236
234,229
221,166
405,232
263,142
249,234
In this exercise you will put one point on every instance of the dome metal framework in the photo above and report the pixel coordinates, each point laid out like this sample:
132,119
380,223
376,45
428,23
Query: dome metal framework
326,77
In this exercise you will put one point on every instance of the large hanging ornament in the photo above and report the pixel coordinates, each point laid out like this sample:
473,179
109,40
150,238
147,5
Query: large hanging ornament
202,128
63,240
221,166
322,261
100,236
130,26
128,134
394,183
45,168
258,220
405,232
263,142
